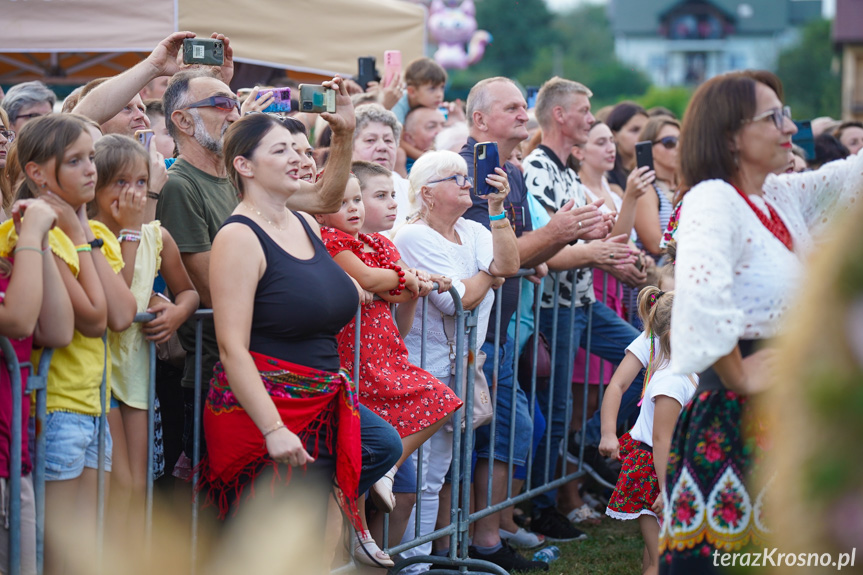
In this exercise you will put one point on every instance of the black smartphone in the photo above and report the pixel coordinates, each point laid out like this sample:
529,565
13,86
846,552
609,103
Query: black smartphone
644,154
485,160
205,51
366,71
532,91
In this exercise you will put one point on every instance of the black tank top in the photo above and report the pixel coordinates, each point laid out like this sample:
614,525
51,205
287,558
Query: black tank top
300,305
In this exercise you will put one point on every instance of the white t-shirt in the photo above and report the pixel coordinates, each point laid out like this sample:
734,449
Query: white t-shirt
423,248
640,348
663,382
402,187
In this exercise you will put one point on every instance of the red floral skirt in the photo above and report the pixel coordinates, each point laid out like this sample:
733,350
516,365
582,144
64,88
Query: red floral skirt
637,487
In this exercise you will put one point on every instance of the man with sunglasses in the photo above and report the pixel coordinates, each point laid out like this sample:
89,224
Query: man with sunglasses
563,113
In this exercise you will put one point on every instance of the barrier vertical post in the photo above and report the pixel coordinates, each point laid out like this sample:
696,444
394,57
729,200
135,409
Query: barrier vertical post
14,457
103,448
196,434
151,438
39,384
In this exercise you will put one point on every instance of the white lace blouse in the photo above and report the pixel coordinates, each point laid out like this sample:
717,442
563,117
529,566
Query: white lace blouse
733,278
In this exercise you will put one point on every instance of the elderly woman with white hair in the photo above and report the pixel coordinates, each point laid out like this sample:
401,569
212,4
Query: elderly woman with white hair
439,239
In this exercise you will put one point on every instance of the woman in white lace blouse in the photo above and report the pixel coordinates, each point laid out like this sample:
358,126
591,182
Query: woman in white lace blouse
742,236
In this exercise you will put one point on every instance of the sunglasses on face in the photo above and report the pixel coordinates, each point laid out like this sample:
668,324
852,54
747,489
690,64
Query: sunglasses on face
9,135
778,115
460,180
670,142
224,103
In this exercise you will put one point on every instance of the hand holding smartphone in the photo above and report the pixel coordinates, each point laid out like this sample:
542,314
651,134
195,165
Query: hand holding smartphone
485,160
281,100
644,154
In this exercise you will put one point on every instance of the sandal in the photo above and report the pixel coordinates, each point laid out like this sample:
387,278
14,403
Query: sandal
382,491
367,552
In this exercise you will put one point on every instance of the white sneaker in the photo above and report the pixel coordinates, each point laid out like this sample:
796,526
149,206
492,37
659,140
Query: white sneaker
584,514
522,539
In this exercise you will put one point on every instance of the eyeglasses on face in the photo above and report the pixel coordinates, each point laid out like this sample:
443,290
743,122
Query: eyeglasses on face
9,135
670,142
460,180
224,103
778,115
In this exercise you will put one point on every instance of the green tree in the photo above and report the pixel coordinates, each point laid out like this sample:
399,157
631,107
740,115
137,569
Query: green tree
518,29
812,87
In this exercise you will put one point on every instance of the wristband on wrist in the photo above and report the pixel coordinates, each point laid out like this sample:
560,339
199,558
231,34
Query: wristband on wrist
27,248
84,248
129,238
500,216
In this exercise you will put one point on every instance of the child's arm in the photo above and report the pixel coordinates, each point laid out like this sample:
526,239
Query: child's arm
666,411
121,304
128,211
375,280
30,284
169,316
85,292
620,382
56,325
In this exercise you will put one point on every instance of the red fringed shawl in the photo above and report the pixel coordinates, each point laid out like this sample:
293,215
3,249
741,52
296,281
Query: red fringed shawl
308,401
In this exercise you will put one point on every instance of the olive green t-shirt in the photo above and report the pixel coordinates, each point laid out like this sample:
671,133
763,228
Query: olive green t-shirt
192,207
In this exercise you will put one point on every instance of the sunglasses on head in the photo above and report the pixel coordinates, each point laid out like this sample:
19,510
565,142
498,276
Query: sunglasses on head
224,103
670,142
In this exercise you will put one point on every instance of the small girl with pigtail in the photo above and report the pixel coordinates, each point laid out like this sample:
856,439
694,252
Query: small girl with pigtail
644,449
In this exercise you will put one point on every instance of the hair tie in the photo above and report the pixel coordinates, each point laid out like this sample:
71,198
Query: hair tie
651,299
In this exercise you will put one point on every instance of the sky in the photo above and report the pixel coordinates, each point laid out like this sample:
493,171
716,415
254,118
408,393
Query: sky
829,6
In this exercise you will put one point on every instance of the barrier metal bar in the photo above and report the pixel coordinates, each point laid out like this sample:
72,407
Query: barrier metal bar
103,448
498,308
14,457
151,432
196,431
537,302
38,383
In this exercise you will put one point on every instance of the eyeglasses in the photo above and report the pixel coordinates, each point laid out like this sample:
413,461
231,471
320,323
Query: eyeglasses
9,135
460,180
778,115
670,142
224,103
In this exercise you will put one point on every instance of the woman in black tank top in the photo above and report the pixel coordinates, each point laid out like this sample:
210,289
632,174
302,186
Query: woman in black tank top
278,396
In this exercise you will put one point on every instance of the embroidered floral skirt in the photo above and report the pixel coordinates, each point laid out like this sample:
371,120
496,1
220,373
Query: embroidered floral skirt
637,487
711,501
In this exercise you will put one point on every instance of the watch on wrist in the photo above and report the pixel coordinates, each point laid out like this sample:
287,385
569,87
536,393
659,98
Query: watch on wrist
97,243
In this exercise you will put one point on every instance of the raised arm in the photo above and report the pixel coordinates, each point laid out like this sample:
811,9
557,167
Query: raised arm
325,196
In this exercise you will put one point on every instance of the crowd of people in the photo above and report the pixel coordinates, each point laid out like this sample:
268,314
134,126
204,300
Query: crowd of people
671,279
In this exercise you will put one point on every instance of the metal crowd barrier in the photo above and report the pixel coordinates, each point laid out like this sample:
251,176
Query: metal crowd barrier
463,440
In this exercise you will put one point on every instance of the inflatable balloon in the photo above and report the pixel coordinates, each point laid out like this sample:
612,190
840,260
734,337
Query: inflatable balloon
452,27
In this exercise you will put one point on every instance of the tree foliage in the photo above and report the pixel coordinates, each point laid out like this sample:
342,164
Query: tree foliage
812,84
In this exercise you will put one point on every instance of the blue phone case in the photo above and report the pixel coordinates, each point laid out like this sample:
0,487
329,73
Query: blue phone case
485,160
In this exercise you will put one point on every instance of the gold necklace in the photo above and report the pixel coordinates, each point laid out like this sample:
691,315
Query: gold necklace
250,207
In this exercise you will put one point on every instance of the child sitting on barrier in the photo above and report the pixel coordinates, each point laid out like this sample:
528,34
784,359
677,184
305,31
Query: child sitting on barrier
56,153
409,398
122,166
34,310
644,449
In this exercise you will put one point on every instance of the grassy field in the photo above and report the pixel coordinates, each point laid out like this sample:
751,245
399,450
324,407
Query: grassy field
614,548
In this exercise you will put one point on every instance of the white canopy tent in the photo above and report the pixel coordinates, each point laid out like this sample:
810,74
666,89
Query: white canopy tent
71,41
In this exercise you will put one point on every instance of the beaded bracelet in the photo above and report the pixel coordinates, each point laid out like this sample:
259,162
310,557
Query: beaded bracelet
84,248
500,216
27,248
129,238
396,268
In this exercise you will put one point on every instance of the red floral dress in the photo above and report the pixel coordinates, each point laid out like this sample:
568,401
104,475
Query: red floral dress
409,398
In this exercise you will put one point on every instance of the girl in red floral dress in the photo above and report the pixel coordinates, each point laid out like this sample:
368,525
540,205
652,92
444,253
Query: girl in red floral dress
644,449
414,402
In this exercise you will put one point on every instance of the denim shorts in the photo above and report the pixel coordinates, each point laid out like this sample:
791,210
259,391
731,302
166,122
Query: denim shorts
72,443
503,410
405,480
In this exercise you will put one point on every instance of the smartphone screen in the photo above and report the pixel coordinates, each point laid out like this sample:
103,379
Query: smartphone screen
644,154
316,99
144,136
485,160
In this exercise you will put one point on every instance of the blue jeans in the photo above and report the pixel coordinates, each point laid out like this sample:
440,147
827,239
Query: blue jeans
609,338
381,447
504,408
